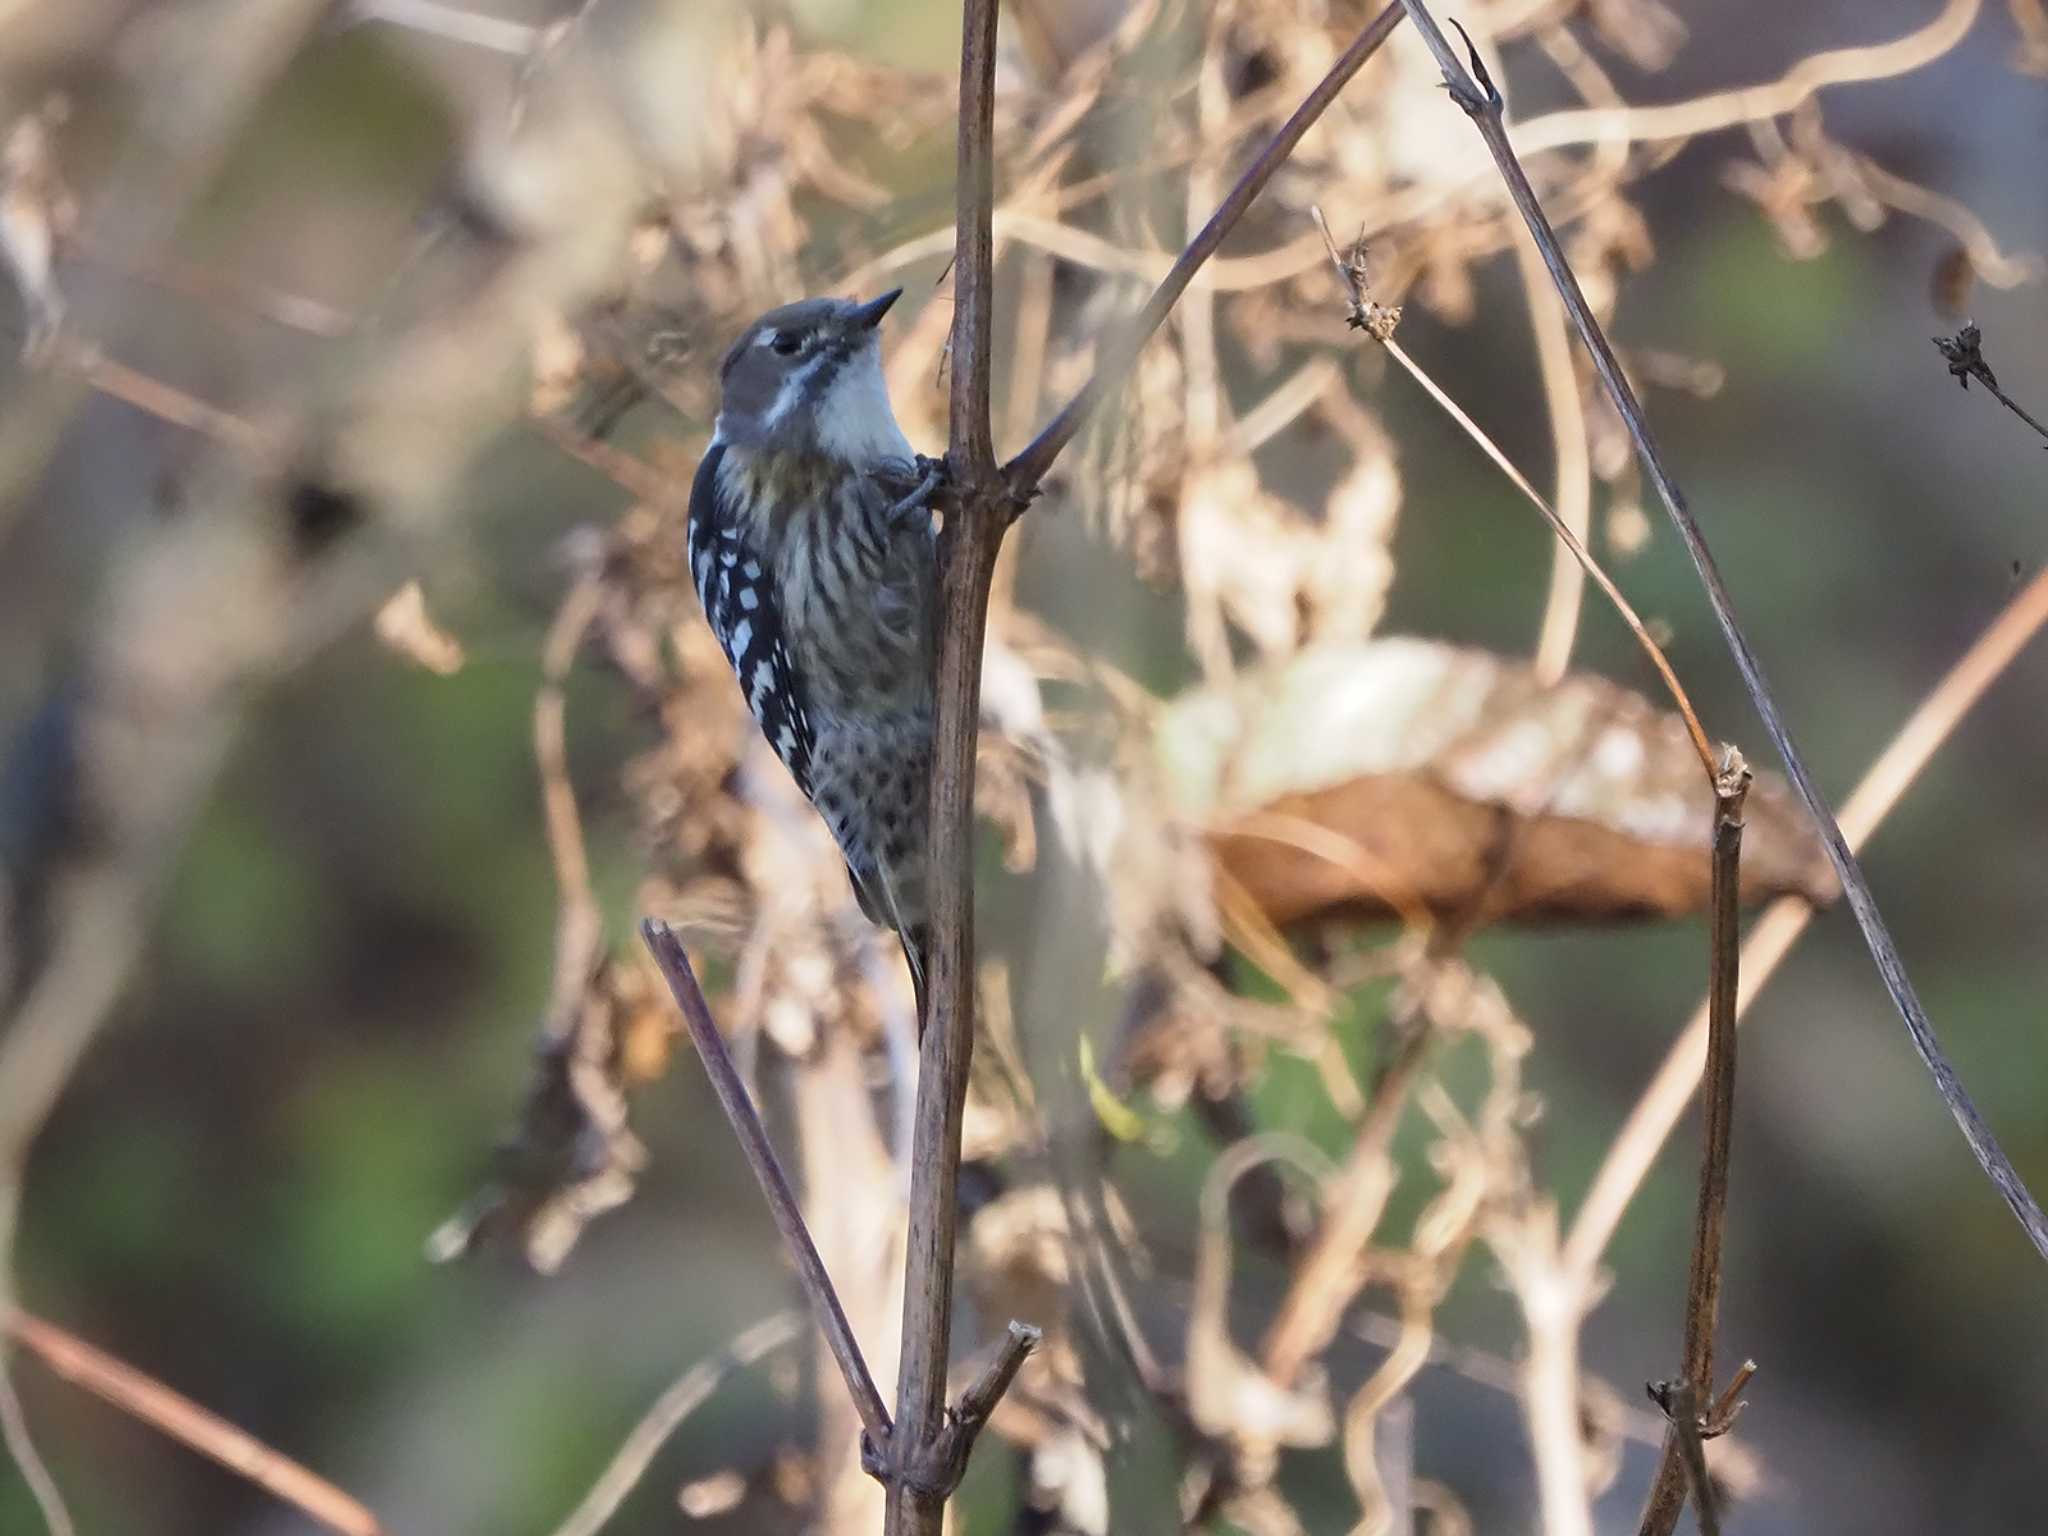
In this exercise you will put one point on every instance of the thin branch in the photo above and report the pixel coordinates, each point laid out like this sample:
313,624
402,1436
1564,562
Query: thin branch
1684,1451
1573,463
1483,104
971,539
156,1405
782,1202
218,289
685,1396
1378,321
1703,1279
943,1463
432,19
987,1389
35,1472
1120,353
983,501
1711,113
1650,1123
1702,747
1965,354
1703,1286
625,470
154,397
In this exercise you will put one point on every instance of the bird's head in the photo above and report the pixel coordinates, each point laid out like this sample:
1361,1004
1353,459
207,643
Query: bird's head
807,379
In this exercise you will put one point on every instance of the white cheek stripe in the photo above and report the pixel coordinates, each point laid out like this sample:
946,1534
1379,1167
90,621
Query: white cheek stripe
792,391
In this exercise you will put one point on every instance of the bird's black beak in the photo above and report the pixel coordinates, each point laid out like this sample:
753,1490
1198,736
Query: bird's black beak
869,315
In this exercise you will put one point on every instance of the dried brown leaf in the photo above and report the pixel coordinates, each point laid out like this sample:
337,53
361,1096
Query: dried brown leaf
1377,777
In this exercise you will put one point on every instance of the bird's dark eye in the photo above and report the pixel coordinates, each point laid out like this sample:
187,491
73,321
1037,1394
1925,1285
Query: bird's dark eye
787,343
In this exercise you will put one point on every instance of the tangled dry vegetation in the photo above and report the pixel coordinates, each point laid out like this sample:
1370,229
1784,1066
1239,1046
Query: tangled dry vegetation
1321,803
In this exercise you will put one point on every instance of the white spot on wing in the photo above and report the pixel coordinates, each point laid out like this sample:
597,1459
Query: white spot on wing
743,632
749,599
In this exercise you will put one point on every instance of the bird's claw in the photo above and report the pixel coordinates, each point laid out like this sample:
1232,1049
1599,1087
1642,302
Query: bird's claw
932,475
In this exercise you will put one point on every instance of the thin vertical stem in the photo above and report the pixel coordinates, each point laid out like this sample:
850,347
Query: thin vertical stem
1710,1219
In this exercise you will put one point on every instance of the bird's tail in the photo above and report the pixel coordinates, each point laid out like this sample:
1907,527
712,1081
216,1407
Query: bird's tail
917,947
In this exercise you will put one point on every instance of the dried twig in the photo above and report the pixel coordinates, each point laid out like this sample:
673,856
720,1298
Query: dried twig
984,500
782,1202
185,1421
1965,354
1120,354
153,396
1476,95
432,19
684,1397
1703,1279
1378,321
1686,1458
967,558
1573,465
21,1445
1572,542
1650,1123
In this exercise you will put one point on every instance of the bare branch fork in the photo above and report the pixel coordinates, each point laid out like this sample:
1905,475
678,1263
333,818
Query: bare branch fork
1476,94
782,1202
983,499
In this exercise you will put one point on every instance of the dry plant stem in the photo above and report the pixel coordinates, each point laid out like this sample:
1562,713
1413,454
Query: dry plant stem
1650,1123
1120,354
968,547
2014,406
21,1445
983,500
1703,1279
1553,1303
1574,466
156,398
579,923
1327,1279
1571,541
627,471
1964,352
1484,107
1685,1449
782,1202
186,1422
685,1396
1753,103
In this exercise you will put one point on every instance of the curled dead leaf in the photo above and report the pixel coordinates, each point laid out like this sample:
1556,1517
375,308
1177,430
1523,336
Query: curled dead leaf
1407,777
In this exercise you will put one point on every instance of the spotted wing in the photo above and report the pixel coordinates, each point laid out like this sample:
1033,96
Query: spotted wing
736,585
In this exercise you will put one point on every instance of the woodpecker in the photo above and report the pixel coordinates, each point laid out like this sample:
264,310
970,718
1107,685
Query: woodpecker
819,577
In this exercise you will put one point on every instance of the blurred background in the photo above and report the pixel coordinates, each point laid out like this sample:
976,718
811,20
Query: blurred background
354,708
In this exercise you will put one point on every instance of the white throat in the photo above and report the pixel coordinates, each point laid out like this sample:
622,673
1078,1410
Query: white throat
855,420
